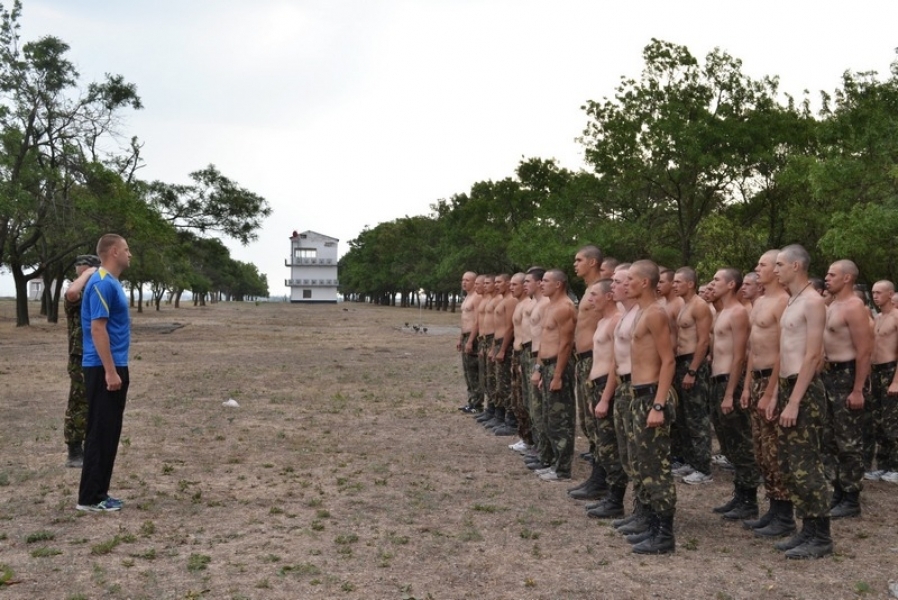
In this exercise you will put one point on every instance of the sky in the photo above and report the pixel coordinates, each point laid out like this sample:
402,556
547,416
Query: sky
348,113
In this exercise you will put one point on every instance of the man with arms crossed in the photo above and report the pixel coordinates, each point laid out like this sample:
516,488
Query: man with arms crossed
759,396
847,347
555,374
884,393
652,360
467,344
602,385
730,418
802,406
692,378
107,337
587,265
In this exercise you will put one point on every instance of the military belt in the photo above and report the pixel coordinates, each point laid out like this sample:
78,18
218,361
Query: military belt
647,389
884,366
758,374
625,378
840,366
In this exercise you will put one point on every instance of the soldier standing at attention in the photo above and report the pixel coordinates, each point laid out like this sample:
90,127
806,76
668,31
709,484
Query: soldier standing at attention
467,344
884,394
541,456
504,336
603,383
521,336
485,332
75,423
652,359
691,378
759,396
731,420
751,290
555,374
847,347
587,266
802,406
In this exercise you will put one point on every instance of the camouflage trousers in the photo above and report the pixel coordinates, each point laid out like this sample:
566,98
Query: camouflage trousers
607,454
487,375
691,432
521,415
470,364
734,433
800,450
585,414
650,451
764,435
502,375
845,441
75,424
881,432
623,431
561,417
533,397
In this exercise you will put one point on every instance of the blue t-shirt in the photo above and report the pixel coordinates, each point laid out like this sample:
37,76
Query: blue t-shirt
104,298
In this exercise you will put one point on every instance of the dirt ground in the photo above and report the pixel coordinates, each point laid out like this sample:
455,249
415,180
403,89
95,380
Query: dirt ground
345,472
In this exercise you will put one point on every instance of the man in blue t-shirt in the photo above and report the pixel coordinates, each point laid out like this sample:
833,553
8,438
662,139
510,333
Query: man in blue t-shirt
106,326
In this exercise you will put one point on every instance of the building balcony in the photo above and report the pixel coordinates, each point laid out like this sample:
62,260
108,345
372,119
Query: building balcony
324,262
311,282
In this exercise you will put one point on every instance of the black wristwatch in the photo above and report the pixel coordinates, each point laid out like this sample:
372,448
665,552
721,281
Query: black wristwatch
658,407
691,372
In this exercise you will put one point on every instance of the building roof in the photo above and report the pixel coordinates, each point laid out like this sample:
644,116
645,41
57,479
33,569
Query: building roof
308,231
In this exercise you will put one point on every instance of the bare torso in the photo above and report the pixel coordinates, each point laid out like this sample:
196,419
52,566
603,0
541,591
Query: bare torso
837,343
587,318
794,332
645,360
764,338
469,312
623,335
603,345
730,329
885,343
536,323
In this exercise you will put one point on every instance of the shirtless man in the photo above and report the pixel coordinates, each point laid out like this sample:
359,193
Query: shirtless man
652,359
587,266
501,357
750,291
555,374
521,336
609,265
847,347
637,523
731,420
602,385
691,379
485,333
672,303
802,406
884,378
542,451
467,344
759,396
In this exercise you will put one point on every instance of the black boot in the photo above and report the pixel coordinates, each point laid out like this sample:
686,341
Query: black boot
640,521
747,507
498,419
662,539
783,522
818,544
486,415
798,539
765,519
636,538
725,508
510,427
617,523
75,459
611,506
595,487
849,506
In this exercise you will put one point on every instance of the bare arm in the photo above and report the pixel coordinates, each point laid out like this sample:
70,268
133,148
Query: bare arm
739,332
659,326
566,346
862,339
815,321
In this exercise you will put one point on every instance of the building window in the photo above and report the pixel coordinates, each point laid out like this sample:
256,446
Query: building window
305,253
307,294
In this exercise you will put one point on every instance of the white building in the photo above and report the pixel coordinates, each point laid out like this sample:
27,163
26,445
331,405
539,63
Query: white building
313,267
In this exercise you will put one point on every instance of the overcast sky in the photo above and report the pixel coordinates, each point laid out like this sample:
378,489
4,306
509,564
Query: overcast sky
344,114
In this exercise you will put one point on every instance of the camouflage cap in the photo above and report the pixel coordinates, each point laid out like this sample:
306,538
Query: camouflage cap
89,260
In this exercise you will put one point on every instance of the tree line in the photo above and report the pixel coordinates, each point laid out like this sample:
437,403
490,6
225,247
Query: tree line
692,162
68,175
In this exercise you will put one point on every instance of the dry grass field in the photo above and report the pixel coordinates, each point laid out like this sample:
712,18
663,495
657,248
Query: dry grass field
346,472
